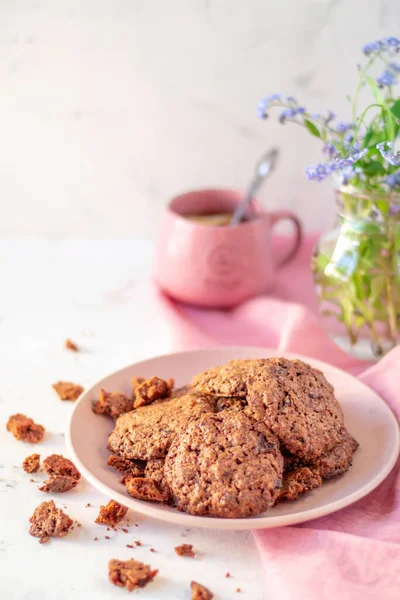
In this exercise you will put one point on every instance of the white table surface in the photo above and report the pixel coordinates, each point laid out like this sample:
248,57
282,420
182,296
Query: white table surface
51,290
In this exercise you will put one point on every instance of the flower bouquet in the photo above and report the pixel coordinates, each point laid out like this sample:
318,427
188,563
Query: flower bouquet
356,265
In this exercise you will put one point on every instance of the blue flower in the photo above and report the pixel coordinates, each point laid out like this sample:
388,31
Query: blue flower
330,150
348,161
265,103
344,126
346,175
389,44
330,116
290,113
319,172
394,210
385,148
291,100
371,48
387,78
393,180
395,67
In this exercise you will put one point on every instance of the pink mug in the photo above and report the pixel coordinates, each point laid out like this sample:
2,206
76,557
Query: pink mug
213,266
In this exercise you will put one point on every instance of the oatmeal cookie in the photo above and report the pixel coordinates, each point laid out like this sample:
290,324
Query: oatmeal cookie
130,573
295,401
25,429
67,390
112,404
299,482
31,463
200,592
49,521
339,459
56,465
224,465
147,432
111,514
152,389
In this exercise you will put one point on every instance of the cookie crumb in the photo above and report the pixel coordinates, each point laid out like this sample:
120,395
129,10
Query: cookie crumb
227,575
49,521
58,484
111,514
67,390
200,592
138,543
87,505
25,429
112,404
79,524
152,389
33,480
129,546
238,590
152,550
185,550
130,573
31,463
71,345
107,537
124,530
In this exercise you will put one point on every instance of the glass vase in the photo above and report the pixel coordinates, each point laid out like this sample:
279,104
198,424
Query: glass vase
356,269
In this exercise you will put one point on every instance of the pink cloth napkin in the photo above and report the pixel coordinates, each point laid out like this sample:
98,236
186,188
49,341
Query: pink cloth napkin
353,554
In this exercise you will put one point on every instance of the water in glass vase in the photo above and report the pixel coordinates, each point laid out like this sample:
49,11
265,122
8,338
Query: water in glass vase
356,268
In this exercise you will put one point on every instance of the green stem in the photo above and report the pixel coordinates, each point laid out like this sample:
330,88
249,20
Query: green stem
359,86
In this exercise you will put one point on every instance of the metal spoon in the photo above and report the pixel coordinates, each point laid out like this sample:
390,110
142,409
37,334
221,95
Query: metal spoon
264,167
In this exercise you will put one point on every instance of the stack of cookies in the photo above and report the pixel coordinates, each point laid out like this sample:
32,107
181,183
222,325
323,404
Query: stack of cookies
235,442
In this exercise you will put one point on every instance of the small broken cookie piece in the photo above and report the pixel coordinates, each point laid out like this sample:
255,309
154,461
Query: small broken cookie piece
67,390
70,345
59,484
49,521
185,550
111,514
112,404
122,464
56,465
152,389
131,473
144,488
299,482
135,381
130,573
31,463
200,592
25,429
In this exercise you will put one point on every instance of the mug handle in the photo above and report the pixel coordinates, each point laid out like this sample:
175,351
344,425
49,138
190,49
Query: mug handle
282,215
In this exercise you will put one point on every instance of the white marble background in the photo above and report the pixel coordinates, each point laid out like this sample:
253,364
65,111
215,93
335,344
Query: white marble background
109,107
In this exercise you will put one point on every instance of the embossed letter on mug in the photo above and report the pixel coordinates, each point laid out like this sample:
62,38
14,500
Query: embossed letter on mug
202,260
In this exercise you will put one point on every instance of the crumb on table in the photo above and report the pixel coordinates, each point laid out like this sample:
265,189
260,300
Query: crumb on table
185,550
71,345
130,573
111,514
152,389
25,429
112,404
227,575
31,463
57,465
67,390
58,484
200,592
49,521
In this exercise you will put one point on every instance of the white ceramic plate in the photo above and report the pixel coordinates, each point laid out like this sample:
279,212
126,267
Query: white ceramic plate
366,415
